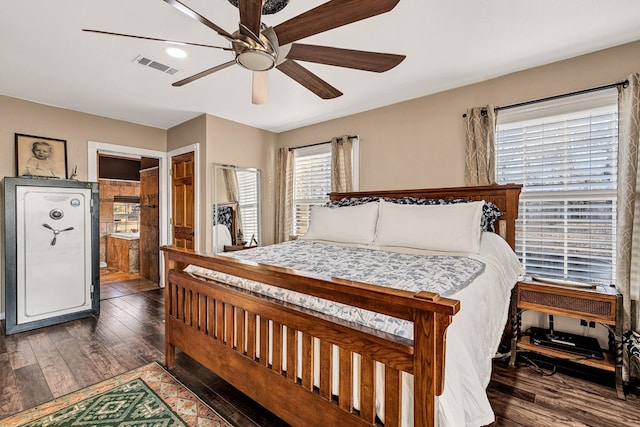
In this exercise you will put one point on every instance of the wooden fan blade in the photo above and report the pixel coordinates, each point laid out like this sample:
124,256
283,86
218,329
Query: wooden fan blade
195,15
259,89
332,14
203,74
348,58
309,80
250,15
154,39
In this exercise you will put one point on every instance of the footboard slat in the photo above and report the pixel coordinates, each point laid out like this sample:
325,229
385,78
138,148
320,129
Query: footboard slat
276,345
229,324
202,313
345,386
173,303
264,341
211,317
392,397
367,389
187,307
195,314
307,361
179,303
326,369
240,330
251,336
292,353
219,320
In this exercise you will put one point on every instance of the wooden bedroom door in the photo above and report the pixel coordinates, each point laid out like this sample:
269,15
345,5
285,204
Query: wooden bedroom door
182,197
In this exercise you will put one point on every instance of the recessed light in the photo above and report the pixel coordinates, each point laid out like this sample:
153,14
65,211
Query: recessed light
176,52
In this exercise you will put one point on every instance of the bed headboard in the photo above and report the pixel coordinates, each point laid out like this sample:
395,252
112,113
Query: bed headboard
504,196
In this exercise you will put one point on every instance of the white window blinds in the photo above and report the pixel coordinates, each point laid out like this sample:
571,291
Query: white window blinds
248,184
311,182
564,152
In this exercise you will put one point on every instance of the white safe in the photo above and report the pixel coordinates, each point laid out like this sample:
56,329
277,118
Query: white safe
52,270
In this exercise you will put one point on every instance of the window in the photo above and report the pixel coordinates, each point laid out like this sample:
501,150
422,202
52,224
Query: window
126,214
564,152
311,182
248,184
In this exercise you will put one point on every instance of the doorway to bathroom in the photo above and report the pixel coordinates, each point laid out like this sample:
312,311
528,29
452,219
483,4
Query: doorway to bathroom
129,224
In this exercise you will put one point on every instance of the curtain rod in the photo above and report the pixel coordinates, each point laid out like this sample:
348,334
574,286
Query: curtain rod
319,143
624,84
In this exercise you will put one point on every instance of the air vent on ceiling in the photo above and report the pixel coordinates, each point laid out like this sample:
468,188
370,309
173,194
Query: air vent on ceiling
155,64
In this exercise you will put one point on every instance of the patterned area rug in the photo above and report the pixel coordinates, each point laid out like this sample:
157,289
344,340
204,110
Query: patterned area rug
148,396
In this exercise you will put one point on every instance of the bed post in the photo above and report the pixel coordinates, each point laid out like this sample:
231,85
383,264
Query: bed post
169,348
424,373
429,336
511,214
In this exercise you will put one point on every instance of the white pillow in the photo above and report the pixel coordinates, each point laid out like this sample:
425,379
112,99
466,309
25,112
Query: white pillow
222,237
450,228
349,224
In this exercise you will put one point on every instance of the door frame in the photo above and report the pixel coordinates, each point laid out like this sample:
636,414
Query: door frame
95,148
196,191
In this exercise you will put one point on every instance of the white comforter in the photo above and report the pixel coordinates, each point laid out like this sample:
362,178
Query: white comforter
474,335
472,338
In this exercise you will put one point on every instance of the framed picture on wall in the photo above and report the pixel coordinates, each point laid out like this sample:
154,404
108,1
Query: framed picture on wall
41,156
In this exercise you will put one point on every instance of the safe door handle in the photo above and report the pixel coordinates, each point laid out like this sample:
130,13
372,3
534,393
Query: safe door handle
56,232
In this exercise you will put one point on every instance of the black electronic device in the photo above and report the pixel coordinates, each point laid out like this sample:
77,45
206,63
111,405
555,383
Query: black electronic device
571,343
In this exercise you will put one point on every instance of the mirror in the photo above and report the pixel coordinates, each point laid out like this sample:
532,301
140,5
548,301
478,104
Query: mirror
236,208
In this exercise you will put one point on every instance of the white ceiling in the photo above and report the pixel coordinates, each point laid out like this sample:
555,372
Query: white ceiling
46,58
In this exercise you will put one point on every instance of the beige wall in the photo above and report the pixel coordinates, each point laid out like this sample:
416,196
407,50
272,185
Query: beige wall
18,116
193,131
76,128
420,143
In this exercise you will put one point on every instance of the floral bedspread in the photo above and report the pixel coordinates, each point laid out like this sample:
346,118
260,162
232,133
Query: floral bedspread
443,274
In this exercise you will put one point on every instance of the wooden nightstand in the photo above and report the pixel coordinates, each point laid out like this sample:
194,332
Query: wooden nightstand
602,304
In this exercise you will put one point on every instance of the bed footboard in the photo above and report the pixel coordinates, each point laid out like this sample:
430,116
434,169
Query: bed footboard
268,350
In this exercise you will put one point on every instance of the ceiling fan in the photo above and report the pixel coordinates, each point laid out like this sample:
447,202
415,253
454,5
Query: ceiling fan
260,48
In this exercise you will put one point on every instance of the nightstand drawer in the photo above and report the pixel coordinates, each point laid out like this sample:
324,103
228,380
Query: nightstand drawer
577,303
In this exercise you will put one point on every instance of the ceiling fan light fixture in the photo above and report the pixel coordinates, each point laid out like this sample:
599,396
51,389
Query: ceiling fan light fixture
256,60
256,53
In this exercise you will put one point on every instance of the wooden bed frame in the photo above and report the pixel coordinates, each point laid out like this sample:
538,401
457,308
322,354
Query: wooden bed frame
220,327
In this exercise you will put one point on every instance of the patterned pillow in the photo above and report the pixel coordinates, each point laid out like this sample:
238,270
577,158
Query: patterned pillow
632,343
225,216
490,212
351,201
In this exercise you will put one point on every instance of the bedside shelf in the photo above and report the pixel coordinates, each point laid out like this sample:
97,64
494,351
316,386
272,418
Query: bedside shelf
601,304
607,364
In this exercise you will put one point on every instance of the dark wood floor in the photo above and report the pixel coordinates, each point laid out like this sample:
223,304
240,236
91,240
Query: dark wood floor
39,365
114,283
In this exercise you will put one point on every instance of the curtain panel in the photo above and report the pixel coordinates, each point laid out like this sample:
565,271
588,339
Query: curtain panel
284,195
480,147
233,194
628,227
341,164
